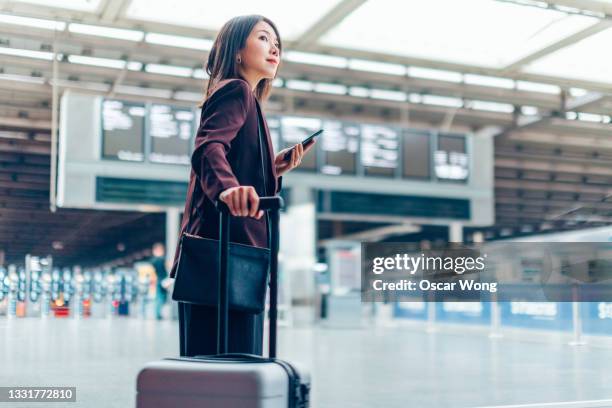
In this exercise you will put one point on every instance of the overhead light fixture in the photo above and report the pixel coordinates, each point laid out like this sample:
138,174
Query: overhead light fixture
22,78
577,92
388,95
169,70
141,91
179,41
415,98
315,59
483,80
375,66
188,96
538,87
435,74
199,73
492,106
32,22
98,62
529,110
442,101
359,91
92,86
299,85
17,52
330,88
134,65
108,32
590,117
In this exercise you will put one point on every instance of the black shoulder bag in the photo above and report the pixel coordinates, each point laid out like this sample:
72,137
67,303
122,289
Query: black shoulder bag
197,270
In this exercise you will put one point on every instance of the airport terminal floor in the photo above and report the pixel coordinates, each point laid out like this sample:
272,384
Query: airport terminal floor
373,366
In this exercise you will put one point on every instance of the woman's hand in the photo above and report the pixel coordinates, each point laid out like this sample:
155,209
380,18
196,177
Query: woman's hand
298,151
238,199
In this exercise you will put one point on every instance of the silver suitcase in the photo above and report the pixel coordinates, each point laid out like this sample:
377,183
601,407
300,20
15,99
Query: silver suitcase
199,382
229,380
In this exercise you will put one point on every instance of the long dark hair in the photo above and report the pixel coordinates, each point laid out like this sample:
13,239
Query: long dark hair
230,40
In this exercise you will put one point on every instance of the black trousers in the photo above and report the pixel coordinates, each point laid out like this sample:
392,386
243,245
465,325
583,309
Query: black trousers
198,331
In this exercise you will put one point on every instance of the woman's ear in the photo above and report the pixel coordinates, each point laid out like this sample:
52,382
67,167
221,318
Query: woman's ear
238,59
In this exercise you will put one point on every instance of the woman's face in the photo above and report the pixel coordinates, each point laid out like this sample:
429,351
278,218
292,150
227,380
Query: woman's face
261,56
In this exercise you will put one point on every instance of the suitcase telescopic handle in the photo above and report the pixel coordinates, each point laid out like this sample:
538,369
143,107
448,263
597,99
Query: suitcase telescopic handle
272,203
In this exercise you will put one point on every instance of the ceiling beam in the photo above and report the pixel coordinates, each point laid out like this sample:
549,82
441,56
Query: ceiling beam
111,10
328,21
597,6
558,45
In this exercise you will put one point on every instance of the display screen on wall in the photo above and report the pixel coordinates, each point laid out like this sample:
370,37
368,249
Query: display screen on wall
123,130
339,144
379,150
450,158
274,128
171,130
294,129
416,154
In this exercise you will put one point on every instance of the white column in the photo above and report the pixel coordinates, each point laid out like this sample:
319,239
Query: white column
172,231
455,232
298,254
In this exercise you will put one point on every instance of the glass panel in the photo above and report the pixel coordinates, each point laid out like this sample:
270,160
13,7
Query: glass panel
122,130
475,32
294,130
340,143
81,5
417,155
291,18
379,150
584,60
170,129
450,159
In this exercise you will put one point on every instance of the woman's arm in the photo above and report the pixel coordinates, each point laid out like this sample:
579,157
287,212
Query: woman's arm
223,116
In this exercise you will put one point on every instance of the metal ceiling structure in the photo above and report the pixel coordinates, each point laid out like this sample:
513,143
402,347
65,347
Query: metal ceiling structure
553,149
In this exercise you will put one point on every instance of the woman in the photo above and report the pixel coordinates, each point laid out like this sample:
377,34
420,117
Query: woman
227,166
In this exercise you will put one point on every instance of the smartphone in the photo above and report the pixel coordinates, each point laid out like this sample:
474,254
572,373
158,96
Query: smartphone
304,143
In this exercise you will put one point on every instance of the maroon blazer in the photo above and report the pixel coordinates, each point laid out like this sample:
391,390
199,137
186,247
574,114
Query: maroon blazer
226,154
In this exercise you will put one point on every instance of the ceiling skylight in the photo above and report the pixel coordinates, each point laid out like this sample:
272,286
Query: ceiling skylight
179,41
475,32
80,5
585,60
109,32
292,18
32,22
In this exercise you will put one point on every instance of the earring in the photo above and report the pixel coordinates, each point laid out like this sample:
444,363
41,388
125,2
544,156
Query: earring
239,60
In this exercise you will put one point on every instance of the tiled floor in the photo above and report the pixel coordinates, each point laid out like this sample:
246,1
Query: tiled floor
370,367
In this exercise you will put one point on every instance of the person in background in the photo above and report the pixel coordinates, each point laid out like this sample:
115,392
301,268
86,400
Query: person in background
158,260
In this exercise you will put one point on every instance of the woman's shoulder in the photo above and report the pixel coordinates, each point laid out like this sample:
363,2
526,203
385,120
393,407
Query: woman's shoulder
232,88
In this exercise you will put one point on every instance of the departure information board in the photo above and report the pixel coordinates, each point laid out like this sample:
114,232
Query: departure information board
416,152
123,130
274,128
450,158
379,150
294,129
171,130
340,146
164,134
